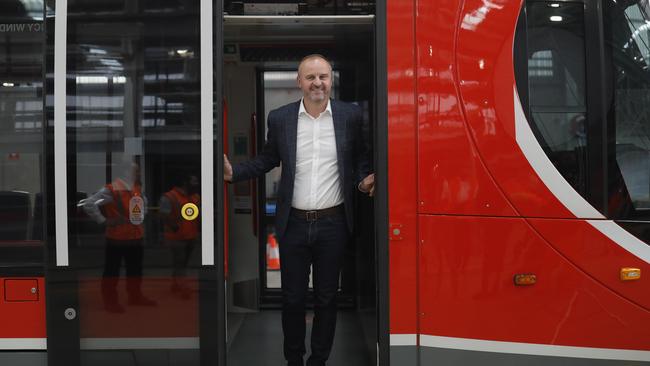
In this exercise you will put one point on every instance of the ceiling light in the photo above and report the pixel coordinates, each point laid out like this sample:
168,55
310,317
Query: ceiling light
554,5
8,85
556,18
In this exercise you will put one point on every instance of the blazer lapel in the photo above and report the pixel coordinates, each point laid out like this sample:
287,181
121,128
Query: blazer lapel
340,124
292,135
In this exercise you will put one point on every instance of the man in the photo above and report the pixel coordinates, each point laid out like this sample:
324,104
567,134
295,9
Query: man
324,156
180,234
121,206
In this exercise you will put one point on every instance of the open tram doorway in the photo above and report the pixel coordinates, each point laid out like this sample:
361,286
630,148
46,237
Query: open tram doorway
262,49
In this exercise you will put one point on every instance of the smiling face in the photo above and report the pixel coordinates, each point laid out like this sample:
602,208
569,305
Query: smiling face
315,79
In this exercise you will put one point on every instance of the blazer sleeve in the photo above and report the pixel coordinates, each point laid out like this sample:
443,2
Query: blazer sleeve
362,147
265,160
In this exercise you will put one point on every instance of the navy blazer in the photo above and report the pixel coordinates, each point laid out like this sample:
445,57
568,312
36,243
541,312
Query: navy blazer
352,148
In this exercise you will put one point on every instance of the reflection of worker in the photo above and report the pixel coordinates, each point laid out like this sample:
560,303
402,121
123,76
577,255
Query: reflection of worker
121,206
180,232
324,155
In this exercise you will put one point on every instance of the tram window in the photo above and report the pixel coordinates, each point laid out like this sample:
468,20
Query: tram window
21,134
557,87
80,6
627,39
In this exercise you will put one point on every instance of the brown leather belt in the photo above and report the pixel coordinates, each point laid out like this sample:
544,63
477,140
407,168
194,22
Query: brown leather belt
313,215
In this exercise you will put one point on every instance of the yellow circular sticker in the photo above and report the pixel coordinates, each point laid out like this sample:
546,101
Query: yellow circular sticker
190,211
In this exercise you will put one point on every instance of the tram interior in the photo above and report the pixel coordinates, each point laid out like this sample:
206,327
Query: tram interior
261,57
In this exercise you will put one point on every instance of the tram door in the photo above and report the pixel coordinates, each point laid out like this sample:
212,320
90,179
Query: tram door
133,275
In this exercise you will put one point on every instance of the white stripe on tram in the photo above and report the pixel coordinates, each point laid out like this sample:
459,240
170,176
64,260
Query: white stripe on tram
565,193
533,349
207,136
17,344
403,339
60,140
623,238
545,169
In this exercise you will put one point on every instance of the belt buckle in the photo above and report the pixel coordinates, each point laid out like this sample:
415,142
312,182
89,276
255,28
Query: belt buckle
311,215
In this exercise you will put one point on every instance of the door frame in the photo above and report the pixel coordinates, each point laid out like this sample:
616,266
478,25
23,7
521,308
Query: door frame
381,182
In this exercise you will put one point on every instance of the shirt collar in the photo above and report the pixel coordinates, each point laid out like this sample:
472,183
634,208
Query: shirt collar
303,110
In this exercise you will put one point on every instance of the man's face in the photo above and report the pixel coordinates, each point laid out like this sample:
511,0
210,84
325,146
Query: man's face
315,79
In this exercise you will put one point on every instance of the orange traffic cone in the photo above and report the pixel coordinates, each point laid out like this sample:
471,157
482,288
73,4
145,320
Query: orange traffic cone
272,253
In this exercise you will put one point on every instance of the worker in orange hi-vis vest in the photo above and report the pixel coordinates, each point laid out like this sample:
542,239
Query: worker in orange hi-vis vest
179,209
121,207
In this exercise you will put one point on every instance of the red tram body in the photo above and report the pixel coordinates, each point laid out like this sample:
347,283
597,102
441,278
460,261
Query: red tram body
474,201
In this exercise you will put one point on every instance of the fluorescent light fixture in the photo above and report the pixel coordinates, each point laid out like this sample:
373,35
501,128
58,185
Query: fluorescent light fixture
554,5
109,62
183,52
100,79
556,18
92,80
8,85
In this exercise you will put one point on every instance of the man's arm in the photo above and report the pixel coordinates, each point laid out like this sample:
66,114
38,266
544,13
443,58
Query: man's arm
266,160
91,204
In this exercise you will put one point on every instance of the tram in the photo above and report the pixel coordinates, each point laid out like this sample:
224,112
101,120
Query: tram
511,144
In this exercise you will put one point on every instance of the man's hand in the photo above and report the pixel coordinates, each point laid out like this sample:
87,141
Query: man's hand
367,185
227,169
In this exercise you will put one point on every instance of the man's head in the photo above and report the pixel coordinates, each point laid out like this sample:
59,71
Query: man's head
315,78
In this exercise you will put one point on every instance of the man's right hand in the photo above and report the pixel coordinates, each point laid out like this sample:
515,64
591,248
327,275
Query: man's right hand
227,169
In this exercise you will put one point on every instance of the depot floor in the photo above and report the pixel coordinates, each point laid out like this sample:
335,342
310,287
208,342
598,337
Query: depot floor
258,340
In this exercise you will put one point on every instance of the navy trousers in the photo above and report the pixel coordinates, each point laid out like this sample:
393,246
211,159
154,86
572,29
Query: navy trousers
320,243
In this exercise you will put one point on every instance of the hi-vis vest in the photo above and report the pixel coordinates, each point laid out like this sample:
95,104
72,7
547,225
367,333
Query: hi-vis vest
119,208
187,230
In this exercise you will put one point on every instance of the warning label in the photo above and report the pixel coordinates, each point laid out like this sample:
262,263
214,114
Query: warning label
136,210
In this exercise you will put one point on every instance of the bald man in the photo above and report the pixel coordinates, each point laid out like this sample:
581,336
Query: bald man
325,158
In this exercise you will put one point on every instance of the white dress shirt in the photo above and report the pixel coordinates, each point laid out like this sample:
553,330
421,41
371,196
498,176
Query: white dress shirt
317,183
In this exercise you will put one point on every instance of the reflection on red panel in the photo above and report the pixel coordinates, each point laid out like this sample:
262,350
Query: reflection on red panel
486,79
19,318
452,177
402,165
467,290
173,315
598,256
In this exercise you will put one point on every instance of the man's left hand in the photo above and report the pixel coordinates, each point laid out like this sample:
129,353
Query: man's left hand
367,185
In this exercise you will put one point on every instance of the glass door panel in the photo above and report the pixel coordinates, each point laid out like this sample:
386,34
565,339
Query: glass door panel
133,140
21,136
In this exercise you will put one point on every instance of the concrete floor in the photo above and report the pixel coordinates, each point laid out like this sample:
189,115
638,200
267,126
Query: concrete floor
259,341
